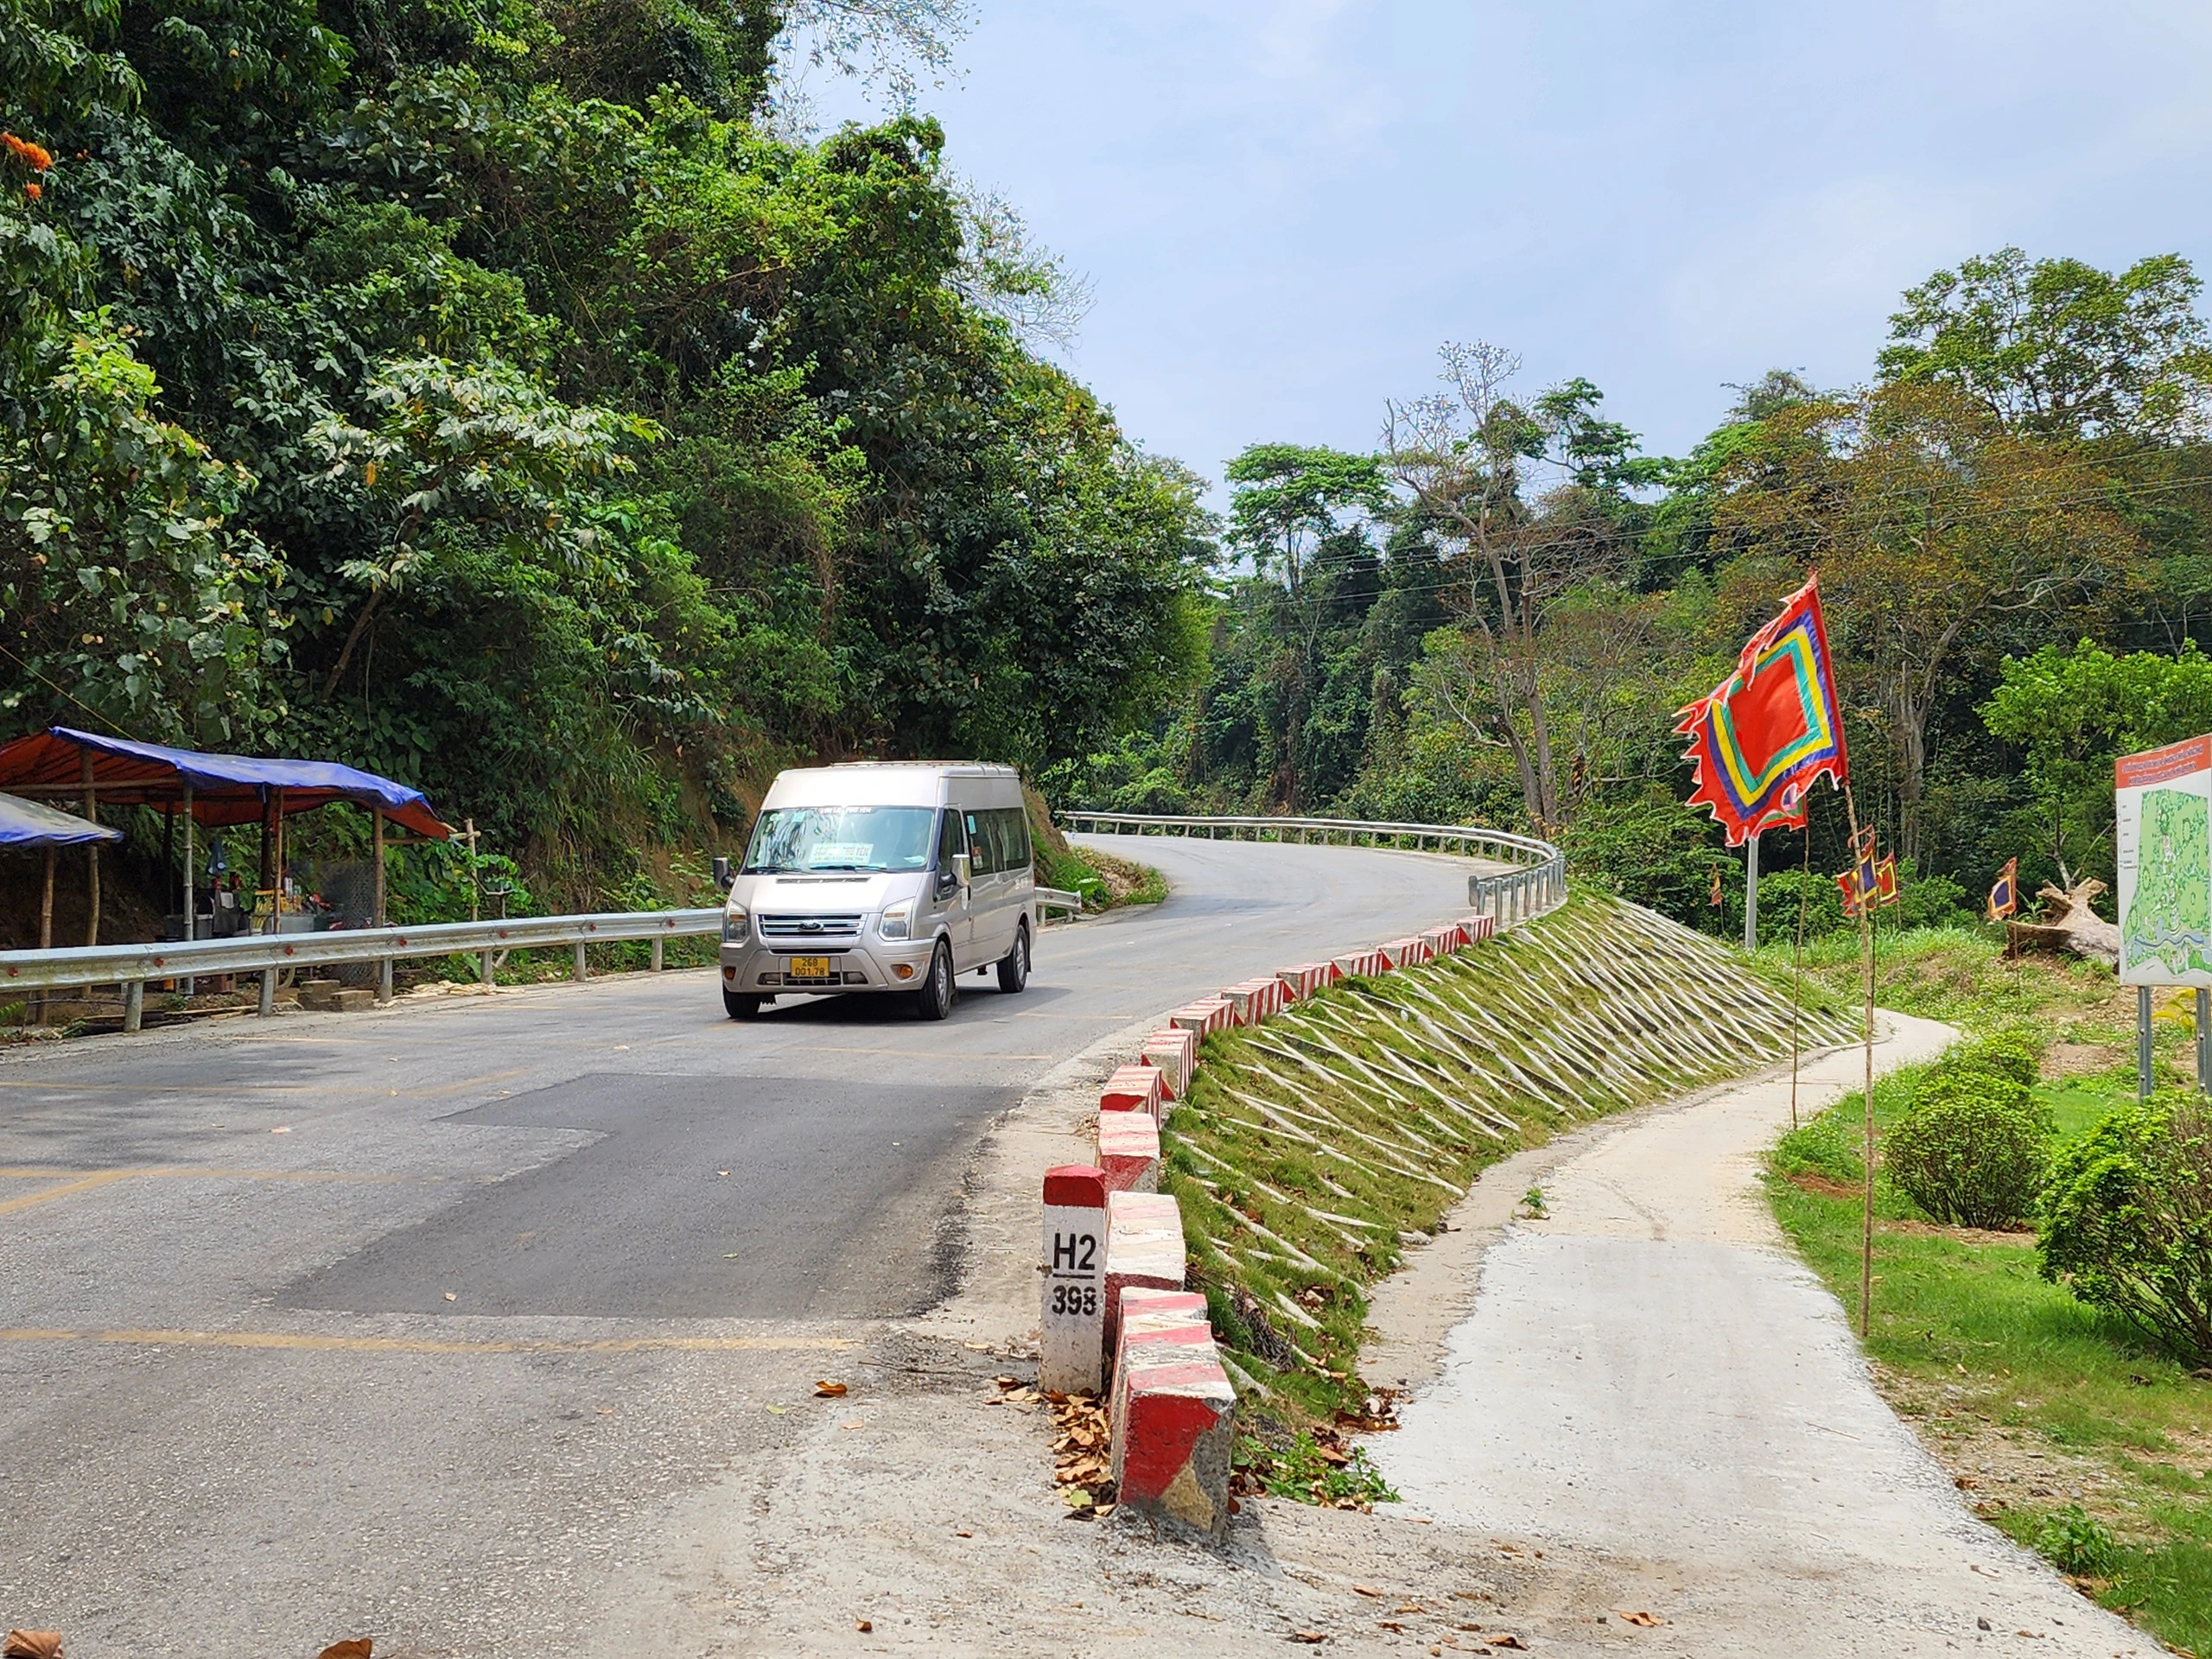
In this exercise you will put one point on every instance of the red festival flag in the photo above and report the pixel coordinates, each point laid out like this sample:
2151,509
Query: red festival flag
1765,733
2005,897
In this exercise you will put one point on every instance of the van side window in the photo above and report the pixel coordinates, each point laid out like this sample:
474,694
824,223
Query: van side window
980,862
1009,838
949,840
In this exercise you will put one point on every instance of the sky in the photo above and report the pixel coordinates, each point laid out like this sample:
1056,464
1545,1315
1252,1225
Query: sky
1284,206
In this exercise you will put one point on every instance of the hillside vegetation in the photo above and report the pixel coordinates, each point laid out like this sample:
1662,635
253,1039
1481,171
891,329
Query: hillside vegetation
481,391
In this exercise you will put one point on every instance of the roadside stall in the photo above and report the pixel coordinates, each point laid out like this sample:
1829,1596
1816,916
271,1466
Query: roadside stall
198,791
25,826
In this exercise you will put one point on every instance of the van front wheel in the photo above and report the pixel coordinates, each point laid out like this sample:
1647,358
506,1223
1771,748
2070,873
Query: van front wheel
934,999
740,1007
1013,967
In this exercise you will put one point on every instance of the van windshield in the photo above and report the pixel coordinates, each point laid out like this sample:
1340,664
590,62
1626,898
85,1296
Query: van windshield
841,838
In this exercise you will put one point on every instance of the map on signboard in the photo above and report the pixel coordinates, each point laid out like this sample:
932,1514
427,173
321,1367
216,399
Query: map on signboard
2163,799
2171,919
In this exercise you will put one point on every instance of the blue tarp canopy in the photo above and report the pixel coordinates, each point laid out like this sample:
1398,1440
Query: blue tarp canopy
26,823
225,788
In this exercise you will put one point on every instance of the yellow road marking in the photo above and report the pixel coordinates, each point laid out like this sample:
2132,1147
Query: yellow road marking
98,1178
104,1177
309,1344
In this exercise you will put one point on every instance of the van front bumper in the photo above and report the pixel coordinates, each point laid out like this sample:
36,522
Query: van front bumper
753,969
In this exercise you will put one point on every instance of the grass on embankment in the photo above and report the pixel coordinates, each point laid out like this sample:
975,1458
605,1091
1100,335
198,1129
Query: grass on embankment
2062,1426
1315,1149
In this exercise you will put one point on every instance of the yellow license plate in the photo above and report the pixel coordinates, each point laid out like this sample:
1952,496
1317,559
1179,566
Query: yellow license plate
807,968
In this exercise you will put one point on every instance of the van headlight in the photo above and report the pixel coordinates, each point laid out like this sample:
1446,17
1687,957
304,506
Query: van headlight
735,925
893,925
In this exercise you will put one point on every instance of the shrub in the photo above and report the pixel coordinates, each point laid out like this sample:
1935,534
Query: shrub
1971,1151
2016,1054
2075,1541
2126,1221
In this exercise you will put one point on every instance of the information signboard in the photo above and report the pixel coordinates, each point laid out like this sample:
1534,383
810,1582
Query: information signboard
2164,801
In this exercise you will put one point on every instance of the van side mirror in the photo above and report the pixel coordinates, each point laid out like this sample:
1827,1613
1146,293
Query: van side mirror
963,868
722,877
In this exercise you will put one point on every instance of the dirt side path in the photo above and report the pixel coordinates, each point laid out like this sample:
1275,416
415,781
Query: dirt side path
1652,1391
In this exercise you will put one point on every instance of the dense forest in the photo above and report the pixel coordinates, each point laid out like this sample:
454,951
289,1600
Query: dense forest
1495,615
494,394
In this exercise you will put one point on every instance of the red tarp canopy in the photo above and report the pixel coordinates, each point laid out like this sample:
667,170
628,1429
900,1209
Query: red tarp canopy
225,788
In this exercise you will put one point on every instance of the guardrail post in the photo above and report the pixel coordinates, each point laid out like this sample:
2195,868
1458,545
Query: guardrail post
134,1004
268,991
484,968
583,968
384,980
656,954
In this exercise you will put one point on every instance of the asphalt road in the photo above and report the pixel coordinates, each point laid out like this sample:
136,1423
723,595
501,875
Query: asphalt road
426,1323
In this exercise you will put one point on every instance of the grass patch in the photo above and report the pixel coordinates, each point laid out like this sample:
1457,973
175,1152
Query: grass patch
2061,1425
1106,881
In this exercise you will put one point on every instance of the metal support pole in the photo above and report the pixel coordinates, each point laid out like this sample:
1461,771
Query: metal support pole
2203,1042
582,970
191,888
658,944
134,1004
1752,891
484,964
268,992
376,917
2142,1042
384,980
46,923
92,849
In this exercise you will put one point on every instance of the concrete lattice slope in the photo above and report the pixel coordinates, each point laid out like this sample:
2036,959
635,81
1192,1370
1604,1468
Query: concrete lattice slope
1314,1148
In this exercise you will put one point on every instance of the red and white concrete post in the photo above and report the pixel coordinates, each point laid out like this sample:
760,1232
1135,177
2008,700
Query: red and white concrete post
1072,1330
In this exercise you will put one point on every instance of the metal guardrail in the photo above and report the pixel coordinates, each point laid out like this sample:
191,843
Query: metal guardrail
1537,884
131,966
1057,899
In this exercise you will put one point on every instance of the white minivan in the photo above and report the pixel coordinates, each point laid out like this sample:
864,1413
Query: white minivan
881,876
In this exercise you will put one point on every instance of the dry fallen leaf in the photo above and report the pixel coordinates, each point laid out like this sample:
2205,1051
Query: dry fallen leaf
830,1391
357,1649
1365,1590
33,1645
450,1296
1649,1621
863,1625
855,1423
778,1410
1307,1636
1509,1640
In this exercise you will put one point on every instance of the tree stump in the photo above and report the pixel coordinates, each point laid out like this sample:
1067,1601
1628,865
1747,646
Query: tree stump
2068,925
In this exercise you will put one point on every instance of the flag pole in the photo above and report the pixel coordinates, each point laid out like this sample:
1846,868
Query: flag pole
1867,1036
1797,960
1752,891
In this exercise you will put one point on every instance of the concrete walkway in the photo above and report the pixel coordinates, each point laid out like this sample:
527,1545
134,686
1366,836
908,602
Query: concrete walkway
1655,1392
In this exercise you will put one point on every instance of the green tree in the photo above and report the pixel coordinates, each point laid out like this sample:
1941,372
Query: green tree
2058,349
2071,712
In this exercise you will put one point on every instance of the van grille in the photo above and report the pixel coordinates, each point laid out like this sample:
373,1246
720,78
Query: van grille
810,927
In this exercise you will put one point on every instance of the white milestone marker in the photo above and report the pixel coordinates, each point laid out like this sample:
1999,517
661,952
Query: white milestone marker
1071,1345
